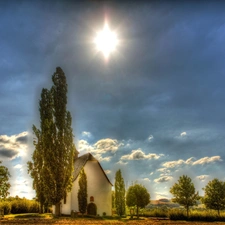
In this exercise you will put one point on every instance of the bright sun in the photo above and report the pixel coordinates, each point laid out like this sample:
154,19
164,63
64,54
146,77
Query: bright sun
106,41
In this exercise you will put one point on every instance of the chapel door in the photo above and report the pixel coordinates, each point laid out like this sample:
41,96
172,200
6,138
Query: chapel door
92,209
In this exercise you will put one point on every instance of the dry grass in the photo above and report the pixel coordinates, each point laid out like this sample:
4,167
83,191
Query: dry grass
79,221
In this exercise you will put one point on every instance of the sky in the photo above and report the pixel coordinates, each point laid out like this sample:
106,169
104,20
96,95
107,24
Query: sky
155,109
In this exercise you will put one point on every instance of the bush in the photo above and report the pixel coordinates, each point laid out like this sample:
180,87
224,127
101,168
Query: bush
177,214
6,207
156,212
24,206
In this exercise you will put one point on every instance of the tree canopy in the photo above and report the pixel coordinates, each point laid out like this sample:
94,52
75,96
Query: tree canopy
53,157
137,195
184,193
119,196
214,197
4,181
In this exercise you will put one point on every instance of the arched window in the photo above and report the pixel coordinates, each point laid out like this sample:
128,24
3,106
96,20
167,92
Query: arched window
91,199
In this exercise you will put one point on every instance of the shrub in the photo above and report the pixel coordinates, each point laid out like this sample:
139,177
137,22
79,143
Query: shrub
6,207
24,206
156,212
177,214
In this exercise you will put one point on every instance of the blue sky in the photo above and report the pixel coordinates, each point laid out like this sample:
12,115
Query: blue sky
155,110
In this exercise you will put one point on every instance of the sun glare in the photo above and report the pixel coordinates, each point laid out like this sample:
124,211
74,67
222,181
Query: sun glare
106,41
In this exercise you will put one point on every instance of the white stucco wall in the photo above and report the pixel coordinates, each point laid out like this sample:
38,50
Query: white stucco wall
97,186
66,208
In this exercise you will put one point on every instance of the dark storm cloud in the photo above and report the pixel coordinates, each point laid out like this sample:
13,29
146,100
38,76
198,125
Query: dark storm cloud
166,79
22,139
7,153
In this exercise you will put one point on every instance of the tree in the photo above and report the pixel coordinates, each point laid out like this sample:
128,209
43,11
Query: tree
54,153
184,193
35,170
119,194
214,197
137,195
4,181
82,192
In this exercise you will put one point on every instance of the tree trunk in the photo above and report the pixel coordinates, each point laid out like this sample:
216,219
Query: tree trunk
137,212
41,208
218,212
57,209
187,211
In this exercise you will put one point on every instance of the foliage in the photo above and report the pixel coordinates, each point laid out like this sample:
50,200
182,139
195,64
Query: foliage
184,193
113,199
24,206
82,192
6,206
54,153
214,195
195,215
137,195
4,181
156,212
119,194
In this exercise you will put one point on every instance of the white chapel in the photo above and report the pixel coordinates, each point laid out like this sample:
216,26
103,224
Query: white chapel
99,188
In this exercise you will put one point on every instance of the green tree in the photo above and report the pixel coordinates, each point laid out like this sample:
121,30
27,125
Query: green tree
214,197
184,193
53,157
4,181
35,170
82,192
137,195
119,194
113,199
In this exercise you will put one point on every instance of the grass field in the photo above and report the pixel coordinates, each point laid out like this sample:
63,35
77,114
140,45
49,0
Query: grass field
48,219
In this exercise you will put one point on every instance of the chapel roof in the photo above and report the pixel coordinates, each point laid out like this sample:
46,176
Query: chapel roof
80,163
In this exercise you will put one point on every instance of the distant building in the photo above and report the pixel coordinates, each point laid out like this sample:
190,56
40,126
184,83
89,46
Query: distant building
99,188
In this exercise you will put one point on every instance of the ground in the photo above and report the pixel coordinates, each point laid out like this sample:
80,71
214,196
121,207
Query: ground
69,221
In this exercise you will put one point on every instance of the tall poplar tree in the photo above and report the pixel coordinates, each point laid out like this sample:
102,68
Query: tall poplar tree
119,194
82,192
53,157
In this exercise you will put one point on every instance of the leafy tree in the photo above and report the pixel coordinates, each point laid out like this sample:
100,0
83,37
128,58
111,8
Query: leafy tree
4,181
54,153
119,194
137,195
214,197
35,170
184,193
82,192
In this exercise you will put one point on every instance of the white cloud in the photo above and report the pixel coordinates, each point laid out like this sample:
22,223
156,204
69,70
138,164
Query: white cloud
139,155
183,134
122,162
163,179
150,137
202,177
202,161
207,160
100,158
83,145
107,171
172,164
86,134
106,145
164,171
147,179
